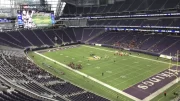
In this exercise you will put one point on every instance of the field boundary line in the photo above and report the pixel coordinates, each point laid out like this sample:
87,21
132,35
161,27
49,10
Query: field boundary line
161,90
130,55
170,91
91,78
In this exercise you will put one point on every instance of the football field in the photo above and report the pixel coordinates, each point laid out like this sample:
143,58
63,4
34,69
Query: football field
104,65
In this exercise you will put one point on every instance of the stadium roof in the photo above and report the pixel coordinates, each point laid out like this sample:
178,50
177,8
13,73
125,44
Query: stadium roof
14,4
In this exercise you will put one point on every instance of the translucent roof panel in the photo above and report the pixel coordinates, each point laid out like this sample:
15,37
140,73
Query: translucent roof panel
5,3
53,3
12,3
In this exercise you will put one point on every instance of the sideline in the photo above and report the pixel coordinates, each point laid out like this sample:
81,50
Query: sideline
130,55
160,91
100,82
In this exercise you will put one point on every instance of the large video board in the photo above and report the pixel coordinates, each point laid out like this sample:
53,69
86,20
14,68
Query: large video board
30,16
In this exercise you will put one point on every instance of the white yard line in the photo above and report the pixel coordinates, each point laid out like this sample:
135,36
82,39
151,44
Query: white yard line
122,71
129,55
93,79
135,71
158,91
150,70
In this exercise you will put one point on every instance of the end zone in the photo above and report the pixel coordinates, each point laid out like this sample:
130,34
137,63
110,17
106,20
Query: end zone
153,84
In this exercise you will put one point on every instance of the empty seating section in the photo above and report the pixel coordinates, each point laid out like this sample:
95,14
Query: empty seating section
165,22
98,39
64,36
105,22
87,97
92,23
6,37
100,9
65,88
95,31
171,4
144,41
125,22
107,8
16,77
42,35
93,10
86,33
78,33
122,6
134,5
152,40
23,72
140,40
79,10
113,22
26,38
136,22
15,96
52,35
90,32
116,6
31,37
176,22
47,80
167,41
86,10
70,34
157,4
107,39
173,49
100,22
125,5
144,5
16,35
13,74
35,88
150,22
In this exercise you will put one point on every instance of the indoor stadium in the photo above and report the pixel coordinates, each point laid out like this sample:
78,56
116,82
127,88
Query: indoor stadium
89,50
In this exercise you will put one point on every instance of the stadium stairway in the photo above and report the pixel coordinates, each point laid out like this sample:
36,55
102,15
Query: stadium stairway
25,38
31,84
74,94
157,42
59,39
43,83
78,33
96,34
41,42
169,46
32,37
142,42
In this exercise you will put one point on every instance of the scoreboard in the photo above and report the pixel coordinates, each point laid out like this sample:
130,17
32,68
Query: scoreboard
32,16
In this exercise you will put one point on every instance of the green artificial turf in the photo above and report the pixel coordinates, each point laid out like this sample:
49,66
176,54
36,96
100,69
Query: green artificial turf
170,94
120,72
